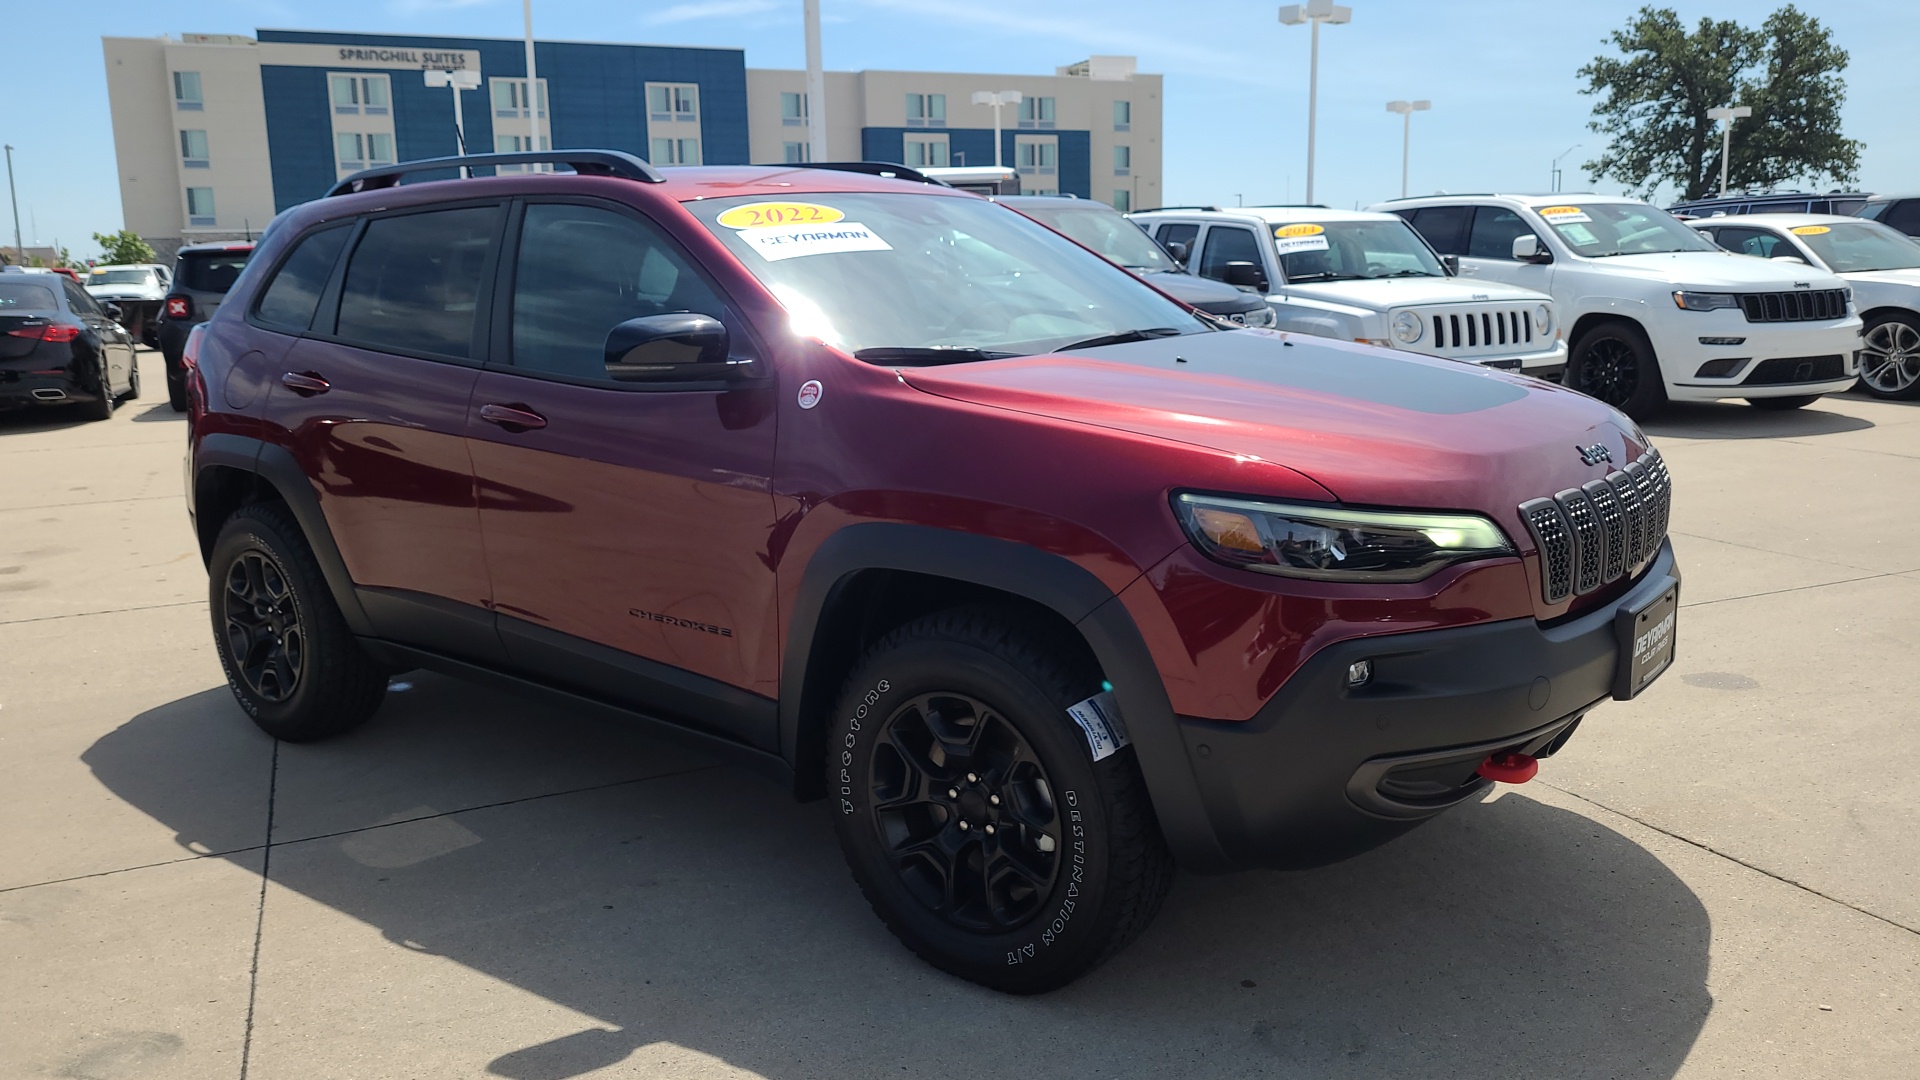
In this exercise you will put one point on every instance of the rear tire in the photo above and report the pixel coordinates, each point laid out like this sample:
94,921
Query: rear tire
289,658
1783,404
101,407
133,381
972,813
1890,360
1615,362
177,391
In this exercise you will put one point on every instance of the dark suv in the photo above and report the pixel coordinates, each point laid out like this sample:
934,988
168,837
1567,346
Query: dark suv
202,274
1043,580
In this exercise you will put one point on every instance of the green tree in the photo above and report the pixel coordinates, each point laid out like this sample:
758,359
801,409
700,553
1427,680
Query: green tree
1655,96
125,246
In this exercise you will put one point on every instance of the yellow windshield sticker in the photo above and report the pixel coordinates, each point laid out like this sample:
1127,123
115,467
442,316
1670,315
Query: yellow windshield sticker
762,214
1811,230
1288,232
1557,215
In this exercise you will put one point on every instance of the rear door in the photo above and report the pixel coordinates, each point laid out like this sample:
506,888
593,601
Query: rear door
116,344
374,402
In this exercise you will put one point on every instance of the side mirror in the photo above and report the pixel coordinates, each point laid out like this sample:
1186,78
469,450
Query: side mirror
669,348
1529,249
1795,259
1246,275
1451,264
115,312
1178,250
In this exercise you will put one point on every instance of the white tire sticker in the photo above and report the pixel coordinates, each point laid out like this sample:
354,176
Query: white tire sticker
1099,718
776,242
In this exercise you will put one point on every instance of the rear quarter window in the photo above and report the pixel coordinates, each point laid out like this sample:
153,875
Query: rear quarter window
290,298
210,271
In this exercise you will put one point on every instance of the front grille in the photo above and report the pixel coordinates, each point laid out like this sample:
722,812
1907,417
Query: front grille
1462,331
1793,369
1801,305
1595,534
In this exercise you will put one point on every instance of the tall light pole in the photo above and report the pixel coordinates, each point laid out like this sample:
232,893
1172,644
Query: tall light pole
1556,166
458,80
1406,109
997,99
816,86
1728,114
19,249
533,86
1314,12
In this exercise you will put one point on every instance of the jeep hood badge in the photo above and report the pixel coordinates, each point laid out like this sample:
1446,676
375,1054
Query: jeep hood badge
1595,454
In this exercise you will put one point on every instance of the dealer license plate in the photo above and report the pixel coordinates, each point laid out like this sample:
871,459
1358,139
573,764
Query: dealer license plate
1646,636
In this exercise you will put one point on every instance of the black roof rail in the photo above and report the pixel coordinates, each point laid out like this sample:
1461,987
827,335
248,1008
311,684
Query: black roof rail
1208,209
585,162
871,168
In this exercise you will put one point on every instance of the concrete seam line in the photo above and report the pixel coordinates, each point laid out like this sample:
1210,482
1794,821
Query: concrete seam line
1853,449
197,856
109,611
93,502
1800,588
1738,861
1765,551
260,916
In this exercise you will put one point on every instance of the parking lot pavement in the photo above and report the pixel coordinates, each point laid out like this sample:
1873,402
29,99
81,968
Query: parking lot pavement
1716,880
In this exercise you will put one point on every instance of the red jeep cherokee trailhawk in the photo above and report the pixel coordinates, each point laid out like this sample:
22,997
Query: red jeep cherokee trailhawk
1044,581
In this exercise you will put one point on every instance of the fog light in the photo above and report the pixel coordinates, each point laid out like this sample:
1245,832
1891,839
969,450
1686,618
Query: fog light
1359,672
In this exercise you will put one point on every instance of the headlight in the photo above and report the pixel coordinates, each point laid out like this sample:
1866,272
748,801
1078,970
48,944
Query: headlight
1408,327
1263,317
1542,318
1705,301
1334,543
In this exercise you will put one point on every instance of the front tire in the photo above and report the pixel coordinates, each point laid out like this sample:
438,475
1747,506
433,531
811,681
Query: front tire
1615,362
972,813
289,658
1890,360
1784,404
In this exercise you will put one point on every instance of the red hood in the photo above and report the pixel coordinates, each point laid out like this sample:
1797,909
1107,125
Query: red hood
1373,427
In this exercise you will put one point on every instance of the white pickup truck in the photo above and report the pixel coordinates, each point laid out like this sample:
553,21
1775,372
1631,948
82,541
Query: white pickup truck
1363,277
139,289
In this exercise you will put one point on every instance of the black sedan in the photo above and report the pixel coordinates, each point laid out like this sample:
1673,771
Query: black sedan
59,346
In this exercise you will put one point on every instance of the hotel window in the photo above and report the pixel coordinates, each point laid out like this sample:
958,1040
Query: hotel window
1123,116
676,151
1036,112
673,101
1037,157
200,206
793,109
193,149
186,91
362,150
359,95
926,110
1123,200
926,152
1122,160
510,98
515,144
796,153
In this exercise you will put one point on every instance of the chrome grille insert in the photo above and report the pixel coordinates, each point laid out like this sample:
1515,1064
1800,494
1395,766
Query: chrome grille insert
1608,528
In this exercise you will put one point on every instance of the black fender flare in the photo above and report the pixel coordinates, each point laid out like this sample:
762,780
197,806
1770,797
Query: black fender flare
1053,581
276,466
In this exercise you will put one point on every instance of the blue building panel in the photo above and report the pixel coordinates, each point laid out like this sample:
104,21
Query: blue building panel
296,101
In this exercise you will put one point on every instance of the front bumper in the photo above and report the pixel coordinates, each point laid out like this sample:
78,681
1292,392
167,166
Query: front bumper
1764,364
1549,364
1324,772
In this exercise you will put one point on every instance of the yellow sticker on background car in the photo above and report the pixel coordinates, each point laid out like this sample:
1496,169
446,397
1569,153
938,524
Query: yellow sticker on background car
761,214
1288,232
1556,215
1809,230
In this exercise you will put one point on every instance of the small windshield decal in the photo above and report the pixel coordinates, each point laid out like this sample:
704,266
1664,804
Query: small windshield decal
756,215
1811,230
777,242
1563,215
1289,239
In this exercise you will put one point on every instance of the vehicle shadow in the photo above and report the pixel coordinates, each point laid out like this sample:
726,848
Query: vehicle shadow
702,912
35,419
158,412
1730,420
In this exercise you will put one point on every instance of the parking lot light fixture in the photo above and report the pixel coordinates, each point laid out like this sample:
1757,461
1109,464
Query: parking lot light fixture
1556,166
1406,109
1314,12
998,99
458,80
1727,114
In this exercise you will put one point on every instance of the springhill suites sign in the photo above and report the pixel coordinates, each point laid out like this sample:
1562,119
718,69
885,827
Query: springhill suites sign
397,57
443,61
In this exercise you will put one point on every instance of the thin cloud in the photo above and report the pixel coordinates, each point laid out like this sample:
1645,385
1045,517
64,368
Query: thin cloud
1085,33
714,9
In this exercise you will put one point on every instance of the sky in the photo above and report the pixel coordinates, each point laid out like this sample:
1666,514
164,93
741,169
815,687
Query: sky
1501,75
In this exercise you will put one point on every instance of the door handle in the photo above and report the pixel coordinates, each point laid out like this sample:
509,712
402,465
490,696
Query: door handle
513,417
305,383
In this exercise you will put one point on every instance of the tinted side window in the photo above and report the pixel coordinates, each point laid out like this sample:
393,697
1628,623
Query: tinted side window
1495,228
582,271
1873,210
1744,240
413,282
1225,244
289,299
81,301
1178,234
1445,227
1904,215
211,271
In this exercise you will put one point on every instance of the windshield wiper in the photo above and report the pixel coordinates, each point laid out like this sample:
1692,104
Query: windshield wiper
1406,273
1123,337
926,355
1324,275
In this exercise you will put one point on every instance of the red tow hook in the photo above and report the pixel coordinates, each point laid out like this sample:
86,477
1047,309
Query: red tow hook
1510,768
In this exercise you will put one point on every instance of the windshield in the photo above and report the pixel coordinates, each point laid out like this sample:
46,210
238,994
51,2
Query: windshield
121,277
210,271
1103,230
1598,230
1353,251
20,296
900,273
1867,245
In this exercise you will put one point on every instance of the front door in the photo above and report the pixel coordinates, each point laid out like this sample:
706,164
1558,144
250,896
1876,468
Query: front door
1489,253
626,523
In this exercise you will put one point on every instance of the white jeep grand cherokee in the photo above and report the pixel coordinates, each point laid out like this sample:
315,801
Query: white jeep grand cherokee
1363,277
1656,311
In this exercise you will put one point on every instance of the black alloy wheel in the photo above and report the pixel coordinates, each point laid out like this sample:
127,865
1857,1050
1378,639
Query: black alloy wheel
133,381
967,811
1609,371
263,630
1890,357
1615,363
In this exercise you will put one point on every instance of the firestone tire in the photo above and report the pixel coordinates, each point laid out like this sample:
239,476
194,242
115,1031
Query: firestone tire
289,658
1782,404
1615,362
972,813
